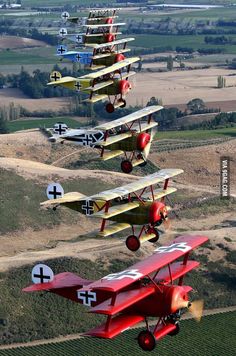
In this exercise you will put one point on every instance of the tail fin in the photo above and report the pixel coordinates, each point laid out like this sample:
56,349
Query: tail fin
64,284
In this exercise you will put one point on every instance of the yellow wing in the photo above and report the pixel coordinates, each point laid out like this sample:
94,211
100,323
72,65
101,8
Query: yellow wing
129,118
67,198
147,181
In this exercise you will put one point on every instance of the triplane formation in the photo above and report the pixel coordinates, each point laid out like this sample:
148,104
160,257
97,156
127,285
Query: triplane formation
153,287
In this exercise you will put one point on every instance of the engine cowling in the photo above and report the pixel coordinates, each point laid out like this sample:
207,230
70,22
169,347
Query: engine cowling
142,140
124,86
119,57
109,37
156,212
174,298
109,20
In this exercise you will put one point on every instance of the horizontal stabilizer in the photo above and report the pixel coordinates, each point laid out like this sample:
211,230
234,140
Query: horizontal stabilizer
111,154
123,301
116,210
61,280
67,198
116,138
112,229
116,326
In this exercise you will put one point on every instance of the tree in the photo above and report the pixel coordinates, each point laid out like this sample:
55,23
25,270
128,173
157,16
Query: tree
196,106
221,82
170,63
154,101
3,125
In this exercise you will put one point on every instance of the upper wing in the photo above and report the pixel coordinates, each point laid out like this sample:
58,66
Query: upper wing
142,183
163,256
129,118
111,69
105,25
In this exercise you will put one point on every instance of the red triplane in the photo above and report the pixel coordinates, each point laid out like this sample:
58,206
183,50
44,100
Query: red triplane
144,290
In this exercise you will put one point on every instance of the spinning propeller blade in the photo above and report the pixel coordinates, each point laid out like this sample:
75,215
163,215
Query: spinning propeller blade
196,309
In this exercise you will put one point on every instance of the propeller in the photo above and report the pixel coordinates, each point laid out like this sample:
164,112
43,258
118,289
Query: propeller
196,309
147,148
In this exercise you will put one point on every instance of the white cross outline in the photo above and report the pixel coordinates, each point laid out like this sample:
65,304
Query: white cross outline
87,298
63,31
87,207
178,246
88,139
79,38
129,273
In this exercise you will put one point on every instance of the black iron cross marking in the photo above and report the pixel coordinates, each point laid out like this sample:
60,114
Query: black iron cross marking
55,76
61,49
54,192
88,207
65,15
62,32
87,140
79,38
179,246
60,129
78,56
78,85
41,276
133,274
87,297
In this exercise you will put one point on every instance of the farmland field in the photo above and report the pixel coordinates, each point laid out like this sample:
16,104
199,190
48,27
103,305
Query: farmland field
210,338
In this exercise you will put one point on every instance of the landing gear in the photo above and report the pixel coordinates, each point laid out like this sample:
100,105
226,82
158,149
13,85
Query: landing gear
140,156
126,166
152,230
132,243
110,108
176,331
146,340
123,103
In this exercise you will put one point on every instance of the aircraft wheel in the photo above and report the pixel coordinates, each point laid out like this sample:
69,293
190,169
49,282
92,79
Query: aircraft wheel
146,340
126,166
176,331
110,108
156,232
132,243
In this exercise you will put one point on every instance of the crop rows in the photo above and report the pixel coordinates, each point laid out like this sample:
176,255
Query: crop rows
171,145
214,336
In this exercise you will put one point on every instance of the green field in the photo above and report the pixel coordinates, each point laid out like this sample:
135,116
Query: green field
214,336
36,123
26,57
191,41
197,134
